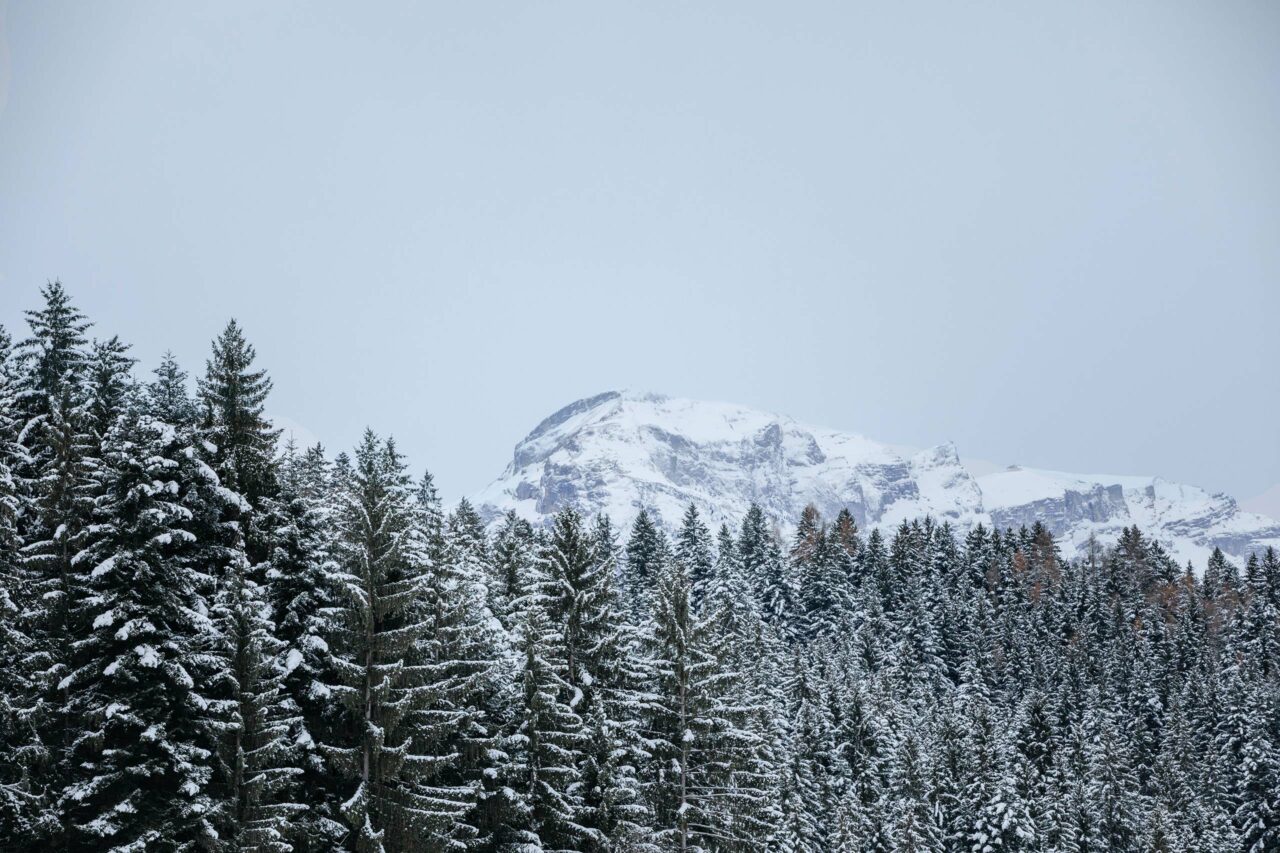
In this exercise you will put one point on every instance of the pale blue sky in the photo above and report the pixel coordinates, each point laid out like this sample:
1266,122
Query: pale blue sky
1049,232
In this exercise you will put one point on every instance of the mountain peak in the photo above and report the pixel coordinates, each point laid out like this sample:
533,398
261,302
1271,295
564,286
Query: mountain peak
620,451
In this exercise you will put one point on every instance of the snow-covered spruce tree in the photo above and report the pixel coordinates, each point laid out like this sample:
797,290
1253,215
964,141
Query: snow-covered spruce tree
848,545
692,732
878,574
617,754
472,661
573,594
770,574
1113,790
140,771
1271,575
577,588
810,752
232,396
749,687
693,548
548,745
20,748
167,396
727,574
914,819
256,759
1258,813
953,812
465,530
512,551
1255,634
916,662
299,584
647,553
385,680
430,511
820,566
57,473
108,382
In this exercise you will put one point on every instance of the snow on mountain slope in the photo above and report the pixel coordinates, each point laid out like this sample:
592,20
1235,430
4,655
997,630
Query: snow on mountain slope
1188,520
619,451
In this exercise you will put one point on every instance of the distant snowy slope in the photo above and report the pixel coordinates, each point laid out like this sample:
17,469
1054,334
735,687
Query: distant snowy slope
1189,520
619,451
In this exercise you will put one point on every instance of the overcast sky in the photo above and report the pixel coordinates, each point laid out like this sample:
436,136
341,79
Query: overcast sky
1049,232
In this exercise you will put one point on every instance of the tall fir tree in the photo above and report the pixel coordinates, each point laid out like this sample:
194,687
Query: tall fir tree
140,775
301,595
693,549
59,473
232,399
647,553
169,399
389,689
21,751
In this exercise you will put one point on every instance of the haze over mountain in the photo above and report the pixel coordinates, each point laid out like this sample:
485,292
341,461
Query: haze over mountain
619,451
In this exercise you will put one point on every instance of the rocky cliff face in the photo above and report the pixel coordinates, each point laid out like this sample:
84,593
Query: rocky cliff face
617,452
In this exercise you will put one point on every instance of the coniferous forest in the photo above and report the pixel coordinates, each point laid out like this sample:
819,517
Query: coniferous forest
211,640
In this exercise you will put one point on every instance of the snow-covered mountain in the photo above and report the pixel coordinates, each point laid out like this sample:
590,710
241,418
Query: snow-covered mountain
619,451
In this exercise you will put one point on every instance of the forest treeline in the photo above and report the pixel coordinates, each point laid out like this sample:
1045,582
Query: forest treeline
210,641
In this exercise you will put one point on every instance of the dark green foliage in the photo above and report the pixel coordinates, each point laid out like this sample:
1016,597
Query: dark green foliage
693,550
385,677
232,397
141,767
647,555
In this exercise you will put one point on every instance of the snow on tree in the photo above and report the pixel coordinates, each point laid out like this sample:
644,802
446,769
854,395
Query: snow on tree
390,690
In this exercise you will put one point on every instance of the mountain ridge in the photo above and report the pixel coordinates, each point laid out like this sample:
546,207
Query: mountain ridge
618,451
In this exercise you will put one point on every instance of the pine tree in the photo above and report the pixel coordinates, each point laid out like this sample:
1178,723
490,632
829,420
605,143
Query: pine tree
822,566
749,748
647,553
812,749
1112,785
108,385
513,550
877,572
550,738
757,548
762,562
1258,814
140,771
389,690
472,657
59,473
915,822
696,736
168,399
577,568
693,549
21,751
301,594
256,759
847,545
232,396
615,752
